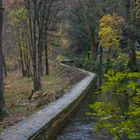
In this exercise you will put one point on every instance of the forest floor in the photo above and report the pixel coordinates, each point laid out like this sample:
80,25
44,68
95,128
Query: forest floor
18,89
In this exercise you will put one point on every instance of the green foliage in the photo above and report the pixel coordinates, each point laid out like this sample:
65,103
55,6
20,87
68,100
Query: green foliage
60,58
18,21
138,54
86,63
121,62
18,16
119,121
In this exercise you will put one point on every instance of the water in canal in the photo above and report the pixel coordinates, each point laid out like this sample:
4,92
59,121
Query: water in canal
80,126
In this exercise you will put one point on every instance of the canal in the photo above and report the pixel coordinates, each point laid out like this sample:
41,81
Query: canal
80,126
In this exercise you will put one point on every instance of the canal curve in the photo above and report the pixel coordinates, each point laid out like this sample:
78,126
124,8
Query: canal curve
80,126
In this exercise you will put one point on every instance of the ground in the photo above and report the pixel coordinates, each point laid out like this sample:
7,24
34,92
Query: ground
18,89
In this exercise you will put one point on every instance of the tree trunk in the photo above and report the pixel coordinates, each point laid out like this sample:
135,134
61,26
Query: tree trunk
94,49
22,62
132,56
132,51
40,61
128,7
46,59
39,68
36,78
4,66
27,63
100,66
38,21
2,100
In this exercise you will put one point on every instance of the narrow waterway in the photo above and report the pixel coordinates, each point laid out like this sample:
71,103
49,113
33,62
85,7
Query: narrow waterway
80,126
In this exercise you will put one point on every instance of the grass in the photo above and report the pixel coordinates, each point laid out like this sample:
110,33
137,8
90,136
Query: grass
18,89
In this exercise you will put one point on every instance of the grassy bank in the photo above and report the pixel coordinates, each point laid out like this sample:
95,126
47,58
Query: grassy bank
18,89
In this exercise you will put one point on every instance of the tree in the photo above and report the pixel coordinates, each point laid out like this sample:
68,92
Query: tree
110,34
55,7
84,23
38,15
110,31
131,28
2,100
121,120
48,21
130,32
83,18
36,37
18,21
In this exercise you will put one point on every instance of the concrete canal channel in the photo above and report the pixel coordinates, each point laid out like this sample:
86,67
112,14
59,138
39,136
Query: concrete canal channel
80,126
61,118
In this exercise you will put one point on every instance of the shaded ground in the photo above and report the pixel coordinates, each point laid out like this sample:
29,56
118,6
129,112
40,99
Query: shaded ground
18,89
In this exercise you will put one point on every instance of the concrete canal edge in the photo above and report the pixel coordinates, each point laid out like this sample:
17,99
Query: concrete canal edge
48,122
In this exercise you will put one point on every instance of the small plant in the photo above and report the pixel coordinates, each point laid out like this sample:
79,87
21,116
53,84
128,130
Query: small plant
60,58
138,54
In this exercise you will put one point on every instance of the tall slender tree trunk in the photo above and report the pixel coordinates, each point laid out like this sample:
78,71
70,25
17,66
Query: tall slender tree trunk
132,56
39,68
128,8
38,23
35,76
35,41
2,100
132,50
100,67
22,62
27,63
46,58
93,49
4,66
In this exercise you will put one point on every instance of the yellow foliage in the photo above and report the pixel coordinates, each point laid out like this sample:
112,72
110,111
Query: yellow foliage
105,21
115,22
108,38
110,31
138,54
